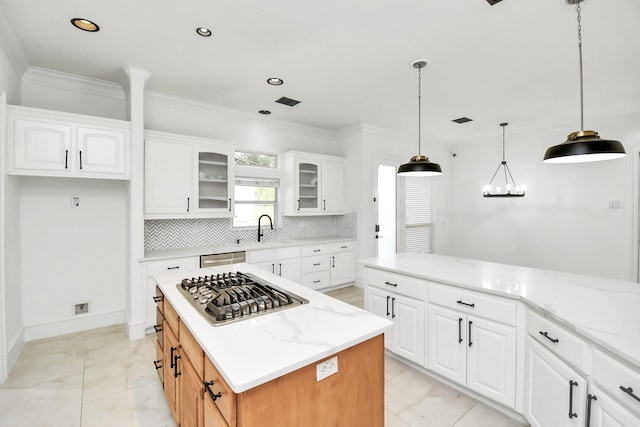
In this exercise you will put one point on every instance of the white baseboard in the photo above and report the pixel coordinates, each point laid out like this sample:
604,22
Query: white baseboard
82,323
136,331
14,351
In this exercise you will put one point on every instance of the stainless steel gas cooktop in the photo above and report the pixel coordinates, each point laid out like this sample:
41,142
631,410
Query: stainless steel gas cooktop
230,297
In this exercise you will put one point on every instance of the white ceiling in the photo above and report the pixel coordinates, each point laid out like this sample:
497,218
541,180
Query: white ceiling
349,61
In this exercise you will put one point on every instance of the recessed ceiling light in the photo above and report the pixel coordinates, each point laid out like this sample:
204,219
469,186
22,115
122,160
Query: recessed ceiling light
204,32
275,81
265,112
85,25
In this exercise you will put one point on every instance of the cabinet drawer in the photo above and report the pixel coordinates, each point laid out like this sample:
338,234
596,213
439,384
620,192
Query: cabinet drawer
263,255
315,250
611,375
560,341
317,280
343,247
171,318
397,283
226,403
178,264
159,360
483,305
284,253
315,263
159,299
192,349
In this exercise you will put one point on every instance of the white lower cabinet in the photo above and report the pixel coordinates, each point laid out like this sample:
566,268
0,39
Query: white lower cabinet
556,395
406,338
343,263
475,352
284,262
604,411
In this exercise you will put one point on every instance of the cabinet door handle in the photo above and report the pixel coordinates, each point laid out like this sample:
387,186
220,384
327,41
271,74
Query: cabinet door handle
546,335
298,204
571,413
324,205
157,364
176,374
188,203
388,298
590,397
459,330
214,396
172,359
393,308
158,328
273,268
470,323
229,205
391,284
629,391
66,159
80,159
158,299
280,267
465,303
333,260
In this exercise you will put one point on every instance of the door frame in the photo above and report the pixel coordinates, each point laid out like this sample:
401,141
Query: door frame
376,161
635,168
3,299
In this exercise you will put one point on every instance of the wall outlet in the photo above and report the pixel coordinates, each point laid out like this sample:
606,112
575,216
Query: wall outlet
75,202
326,368
81,308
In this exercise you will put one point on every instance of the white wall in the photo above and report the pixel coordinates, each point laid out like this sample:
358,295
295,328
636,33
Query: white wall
72,255
564,222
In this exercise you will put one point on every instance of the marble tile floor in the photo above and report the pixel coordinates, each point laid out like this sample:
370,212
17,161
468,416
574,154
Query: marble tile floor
100,378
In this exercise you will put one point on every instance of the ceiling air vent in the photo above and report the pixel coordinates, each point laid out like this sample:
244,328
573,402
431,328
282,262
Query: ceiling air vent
287,101
462,120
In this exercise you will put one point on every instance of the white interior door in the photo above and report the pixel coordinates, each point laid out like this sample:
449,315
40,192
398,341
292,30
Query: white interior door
385,202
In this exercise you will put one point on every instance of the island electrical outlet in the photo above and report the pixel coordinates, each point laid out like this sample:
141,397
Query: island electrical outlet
327,368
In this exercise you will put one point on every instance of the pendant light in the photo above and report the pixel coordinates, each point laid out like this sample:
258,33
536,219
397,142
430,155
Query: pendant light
583,145
510,189
419,165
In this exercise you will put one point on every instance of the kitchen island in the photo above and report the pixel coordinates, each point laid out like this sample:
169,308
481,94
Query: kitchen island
271,363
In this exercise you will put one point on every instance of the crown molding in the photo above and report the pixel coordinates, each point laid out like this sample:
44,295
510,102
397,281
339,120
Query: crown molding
203,108
72,82
12,47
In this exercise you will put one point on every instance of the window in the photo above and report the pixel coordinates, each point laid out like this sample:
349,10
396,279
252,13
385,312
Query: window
417,221
254,197
256,159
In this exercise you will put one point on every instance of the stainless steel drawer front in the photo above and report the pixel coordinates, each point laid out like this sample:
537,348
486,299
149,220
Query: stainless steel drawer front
222,259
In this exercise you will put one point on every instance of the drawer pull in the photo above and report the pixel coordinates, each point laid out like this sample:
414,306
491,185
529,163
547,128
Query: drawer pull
158,328
465,303
629,391
344,247
459,329
214,396
317,250
315,264
571,413
173,268
546,335
157,364
316,281
391,284
158,299
590,397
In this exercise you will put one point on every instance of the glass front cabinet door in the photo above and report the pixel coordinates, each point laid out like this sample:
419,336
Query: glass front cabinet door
214,181
308,185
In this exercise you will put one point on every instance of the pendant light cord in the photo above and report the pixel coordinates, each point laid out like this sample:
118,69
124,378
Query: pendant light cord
580,55
419,107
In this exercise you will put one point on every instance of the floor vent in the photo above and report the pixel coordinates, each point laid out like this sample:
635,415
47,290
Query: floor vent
287,101
462,120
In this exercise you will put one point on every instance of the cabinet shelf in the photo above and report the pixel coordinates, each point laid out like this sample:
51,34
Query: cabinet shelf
219,180
210,162
308,197
220,199
306,171
309,185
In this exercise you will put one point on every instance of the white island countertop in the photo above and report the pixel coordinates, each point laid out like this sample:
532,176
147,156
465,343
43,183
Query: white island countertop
605,311
254,351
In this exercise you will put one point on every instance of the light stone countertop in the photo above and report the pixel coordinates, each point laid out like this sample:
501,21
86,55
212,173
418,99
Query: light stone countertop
604,311
162,254
254,351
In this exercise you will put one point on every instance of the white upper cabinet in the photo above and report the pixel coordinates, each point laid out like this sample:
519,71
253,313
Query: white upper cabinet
312,184
49,143
187,177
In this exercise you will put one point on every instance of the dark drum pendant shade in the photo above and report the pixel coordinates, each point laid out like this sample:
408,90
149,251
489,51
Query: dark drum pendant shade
419,165
584,145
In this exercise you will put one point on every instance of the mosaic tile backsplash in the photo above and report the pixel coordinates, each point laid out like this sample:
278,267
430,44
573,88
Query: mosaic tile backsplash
184,233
